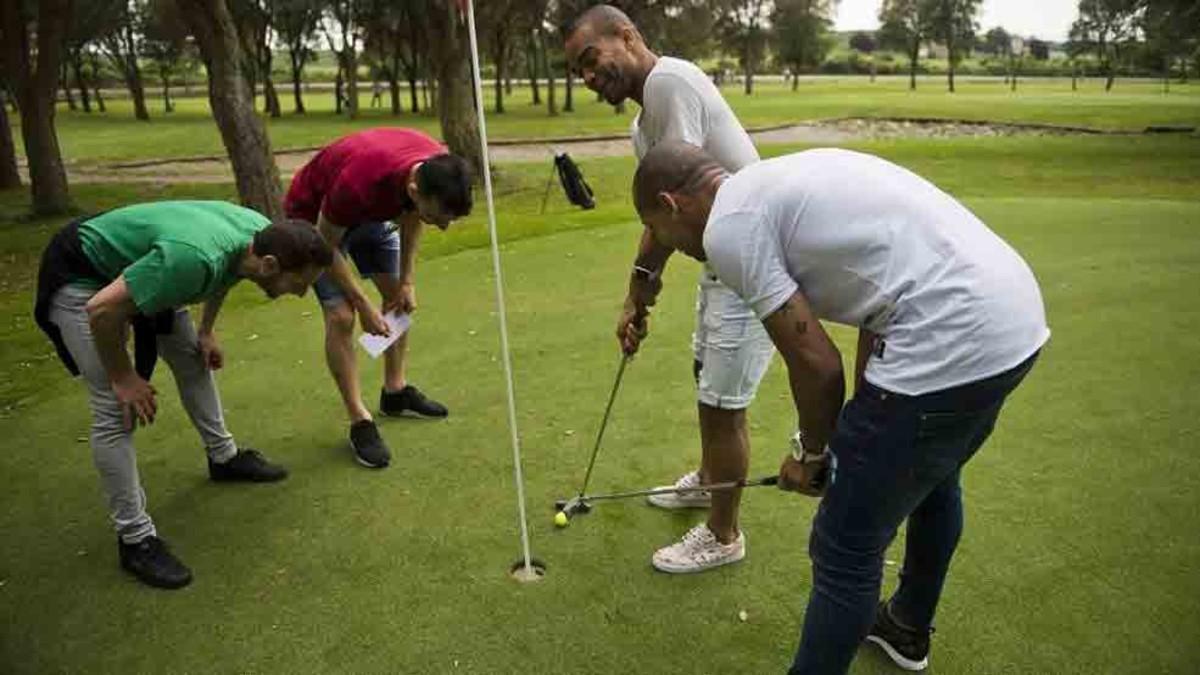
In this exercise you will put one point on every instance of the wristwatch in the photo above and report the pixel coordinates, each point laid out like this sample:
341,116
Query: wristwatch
801,452
645,273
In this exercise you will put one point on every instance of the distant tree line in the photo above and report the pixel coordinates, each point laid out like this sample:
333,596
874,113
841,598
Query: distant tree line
416,51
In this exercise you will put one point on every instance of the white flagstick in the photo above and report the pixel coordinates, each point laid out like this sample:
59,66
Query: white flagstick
487,186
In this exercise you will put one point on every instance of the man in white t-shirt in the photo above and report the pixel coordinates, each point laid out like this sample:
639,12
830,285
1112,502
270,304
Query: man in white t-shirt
950,317
731,351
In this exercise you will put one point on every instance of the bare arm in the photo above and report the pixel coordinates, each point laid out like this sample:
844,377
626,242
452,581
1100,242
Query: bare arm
210,350
109,312
370,318
410,239
814,367
643,292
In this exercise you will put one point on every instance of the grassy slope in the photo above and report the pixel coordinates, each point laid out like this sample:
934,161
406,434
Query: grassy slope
1080,509
117,136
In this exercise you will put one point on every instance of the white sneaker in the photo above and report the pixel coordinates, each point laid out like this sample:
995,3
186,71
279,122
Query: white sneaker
699,550
696,499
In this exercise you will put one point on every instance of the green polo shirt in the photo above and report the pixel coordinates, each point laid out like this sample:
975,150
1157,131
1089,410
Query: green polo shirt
172,253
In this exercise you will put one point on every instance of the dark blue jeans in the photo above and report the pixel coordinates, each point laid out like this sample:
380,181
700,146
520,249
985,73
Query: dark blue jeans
895,458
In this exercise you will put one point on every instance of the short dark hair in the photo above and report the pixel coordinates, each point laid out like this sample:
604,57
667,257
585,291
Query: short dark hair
604,20
670,166
295,243
447,178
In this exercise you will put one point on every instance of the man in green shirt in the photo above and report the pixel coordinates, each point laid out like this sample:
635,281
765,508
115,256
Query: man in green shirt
103,274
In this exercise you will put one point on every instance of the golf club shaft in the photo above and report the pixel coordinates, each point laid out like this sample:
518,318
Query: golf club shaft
731,485
604,422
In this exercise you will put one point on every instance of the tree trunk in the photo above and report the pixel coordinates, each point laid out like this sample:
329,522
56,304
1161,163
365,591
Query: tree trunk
1015,69
569,101
749,81
166,83
499,83
508,79
351,82
66,86
84,97
551,104
1074,77
99,97
297,90
796,80
133,80
9,177
393,78
271,98
232,104
531,63
454,85
912,66
34,88
337,91
950,55
412,93
872,68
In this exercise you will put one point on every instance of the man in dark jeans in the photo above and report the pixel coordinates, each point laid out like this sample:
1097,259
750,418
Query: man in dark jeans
950,321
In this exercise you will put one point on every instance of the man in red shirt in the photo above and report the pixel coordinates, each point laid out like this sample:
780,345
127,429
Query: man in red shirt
352,190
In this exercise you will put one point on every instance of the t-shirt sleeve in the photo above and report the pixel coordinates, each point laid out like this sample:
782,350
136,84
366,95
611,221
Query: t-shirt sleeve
171,275
676,111
747,257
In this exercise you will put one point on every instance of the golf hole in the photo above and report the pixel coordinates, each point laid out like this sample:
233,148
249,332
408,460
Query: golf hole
537,570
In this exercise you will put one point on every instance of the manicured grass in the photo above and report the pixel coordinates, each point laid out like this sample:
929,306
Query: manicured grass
1132,105
1079,554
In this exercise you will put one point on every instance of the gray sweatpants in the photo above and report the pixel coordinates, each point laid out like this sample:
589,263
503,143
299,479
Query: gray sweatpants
112,443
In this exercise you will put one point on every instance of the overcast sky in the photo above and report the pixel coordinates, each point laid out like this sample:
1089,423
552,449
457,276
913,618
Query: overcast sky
1045,19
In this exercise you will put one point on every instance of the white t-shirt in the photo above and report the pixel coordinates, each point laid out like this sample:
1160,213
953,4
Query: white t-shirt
680,103
873,245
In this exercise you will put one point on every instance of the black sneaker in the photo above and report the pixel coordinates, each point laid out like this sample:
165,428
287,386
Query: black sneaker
410,402
369,448
153,565
907,648
247,466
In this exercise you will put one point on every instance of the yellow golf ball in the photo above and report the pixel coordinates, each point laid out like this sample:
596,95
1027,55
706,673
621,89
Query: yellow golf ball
560,519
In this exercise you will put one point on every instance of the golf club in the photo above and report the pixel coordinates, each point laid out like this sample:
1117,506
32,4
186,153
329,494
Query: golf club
569,507
582,503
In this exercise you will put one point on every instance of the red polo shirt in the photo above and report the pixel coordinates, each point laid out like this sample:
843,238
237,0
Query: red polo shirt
360,178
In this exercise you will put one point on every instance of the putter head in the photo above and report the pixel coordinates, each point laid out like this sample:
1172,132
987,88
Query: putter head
572,506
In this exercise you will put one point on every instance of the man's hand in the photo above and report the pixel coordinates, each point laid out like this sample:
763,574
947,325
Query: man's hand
405,301
632,327
371,320
809,478
136,396
210,351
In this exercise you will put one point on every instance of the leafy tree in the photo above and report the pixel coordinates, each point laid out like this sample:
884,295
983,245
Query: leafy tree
952,22
295,23
801,34
743,30
864,43
906,25
31,50
123,45
1106,27
232,103
166,44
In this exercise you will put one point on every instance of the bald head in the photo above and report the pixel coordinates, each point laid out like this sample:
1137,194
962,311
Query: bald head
672,167
602,20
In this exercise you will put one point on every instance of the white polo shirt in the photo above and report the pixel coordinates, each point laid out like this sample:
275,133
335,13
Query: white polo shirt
680,103
872,245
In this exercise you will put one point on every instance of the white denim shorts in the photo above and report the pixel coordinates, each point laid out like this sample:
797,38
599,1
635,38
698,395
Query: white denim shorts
730,345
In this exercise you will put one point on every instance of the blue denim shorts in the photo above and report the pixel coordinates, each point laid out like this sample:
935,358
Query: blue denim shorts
374,248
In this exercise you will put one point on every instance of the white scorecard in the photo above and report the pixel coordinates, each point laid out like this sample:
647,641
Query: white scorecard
377,344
